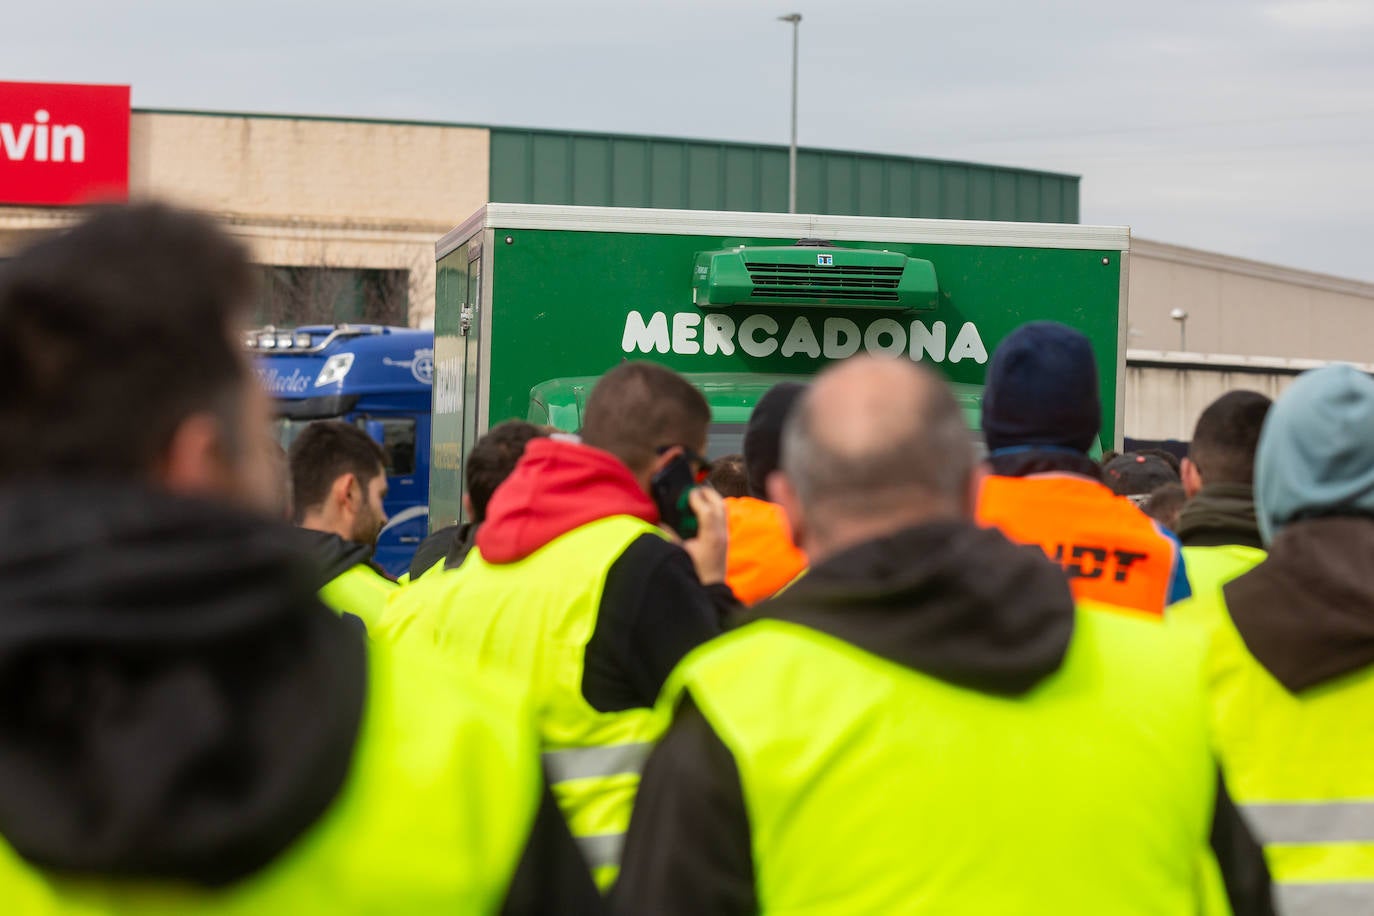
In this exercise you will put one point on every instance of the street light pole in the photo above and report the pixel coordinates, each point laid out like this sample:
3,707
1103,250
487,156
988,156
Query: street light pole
795,19
1181,317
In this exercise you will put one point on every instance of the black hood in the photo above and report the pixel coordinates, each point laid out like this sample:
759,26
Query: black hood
464,539
1307,612
331,555
179,704
451,544
951,600
1220,514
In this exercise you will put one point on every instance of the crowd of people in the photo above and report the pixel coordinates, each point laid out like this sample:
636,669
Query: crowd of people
863,670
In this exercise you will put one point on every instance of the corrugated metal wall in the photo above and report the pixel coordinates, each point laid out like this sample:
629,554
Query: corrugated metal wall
552,167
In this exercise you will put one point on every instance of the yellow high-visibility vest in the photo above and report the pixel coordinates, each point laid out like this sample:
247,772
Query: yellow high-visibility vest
433,818
361,591
873,788
1297,765
533,619
1209,568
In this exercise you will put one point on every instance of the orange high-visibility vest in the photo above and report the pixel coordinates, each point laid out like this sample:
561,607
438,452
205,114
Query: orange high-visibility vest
761,559
1110,550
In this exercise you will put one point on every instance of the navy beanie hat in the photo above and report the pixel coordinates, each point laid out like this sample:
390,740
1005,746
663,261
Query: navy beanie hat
1042,390
763,435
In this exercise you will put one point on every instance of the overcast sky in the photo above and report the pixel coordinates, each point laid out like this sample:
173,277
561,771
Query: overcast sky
1240,127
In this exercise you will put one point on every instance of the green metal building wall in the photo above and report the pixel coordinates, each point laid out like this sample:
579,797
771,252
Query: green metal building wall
555,167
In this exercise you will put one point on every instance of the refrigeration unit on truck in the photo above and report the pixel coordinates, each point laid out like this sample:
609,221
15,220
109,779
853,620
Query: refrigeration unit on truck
379,378
533,303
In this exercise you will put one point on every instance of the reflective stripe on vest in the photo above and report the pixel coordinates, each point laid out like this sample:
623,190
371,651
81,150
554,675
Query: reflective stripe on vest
532,619
1297,765
596,762
1312,822
434,816
602,851
872,788
1344,899
1110,550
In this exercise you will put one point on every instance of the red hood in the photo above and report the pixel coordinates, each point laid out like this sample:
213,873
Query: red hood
557,486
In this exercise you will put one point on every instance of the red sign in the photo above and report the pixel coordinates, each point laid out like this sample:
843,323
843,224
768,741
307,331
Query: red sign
62,143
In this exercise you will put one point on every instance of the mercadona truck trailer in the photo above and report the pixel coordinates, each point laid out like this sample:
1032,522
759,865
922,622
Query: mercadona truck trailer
534,302
377,377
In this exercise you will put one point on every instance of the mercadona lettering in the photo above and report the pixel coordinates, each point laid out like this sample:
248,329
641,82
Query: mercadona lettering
690,333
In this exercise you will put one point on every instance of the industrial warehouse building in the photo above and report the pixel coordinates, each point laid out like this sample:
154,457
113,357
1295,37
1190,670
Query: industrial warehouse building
343,214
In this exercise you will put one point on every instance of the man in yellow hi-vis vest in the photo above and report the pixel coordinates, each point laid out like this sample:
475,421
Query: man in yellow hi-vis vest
1217,526
187,728
575,590
925,723
1291,648
338,483
490,462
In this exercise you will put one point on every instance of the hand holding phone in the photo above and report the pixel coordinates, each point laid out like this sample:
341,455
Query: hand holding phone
708,548
694,513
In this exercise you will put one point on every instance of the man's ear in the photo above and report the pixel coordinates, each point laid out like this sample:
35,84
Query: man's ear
468,512
346,493
781,491
1192,477
662,461
195,462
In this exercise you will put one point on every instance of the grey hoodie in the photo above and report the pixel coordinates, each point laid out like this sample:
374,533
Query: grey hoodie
1307,612
1316,451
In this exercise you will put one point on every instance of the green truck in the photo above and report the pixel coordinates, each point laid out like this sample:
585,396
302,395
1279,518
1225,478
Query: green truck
533,303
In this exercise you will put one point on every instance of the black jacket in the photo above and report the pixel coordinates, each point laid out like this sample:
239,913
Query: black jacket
331,556
654,610
180,706
956,602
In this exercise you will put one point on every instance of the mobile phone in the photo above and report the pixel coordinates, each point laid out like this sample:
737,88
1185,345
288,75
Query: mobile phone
670,488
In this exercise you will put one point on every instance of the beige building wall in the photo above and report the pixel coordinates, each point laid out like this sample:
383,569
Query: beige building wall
1245,308
306,192
1249,325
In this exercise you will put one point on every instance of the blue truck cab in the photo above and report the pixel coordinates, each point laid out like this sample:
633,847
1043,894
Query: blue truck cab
379,378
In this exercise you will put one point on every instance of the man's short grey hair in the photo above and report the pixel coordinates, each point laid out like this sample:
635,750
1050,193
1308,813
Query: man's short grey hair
924,453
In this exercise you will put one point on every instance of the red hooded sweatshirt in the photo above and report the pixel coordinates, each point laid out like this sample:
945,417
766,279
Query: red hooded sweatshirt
557,485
